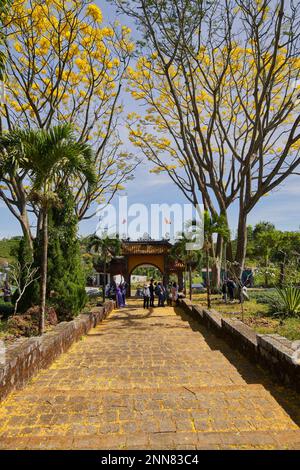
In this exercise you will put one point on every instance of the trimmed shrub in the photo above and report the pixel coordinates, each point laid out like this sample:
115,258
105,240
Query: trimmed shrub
66,278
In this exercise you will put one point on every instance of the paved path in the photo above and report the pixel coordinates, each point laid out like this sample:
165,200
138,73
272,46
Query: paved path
153,380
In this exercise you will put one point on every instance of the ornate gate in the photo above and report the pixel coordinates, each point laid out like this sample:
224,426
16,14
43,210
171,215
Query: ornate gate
152,253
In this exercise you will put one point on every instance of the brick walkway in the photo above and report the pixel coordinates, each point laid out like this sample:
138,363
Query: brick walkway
150,380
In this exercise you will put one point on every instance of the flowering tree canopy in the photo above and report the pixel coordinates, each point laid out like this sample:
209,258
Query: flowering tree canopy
65,65
221,81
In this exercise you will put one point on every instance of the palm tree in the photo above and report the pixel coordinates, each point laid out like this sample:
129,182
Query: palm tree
50,157
107,248
191,258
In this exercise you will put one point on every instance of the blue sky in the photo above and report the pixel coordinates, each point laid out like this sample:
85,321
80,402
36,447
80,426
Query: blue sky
282,207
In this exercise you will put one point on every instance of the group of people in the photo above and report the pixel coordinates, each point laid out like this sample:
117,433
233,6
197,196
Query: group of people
229,288
164,294
117,292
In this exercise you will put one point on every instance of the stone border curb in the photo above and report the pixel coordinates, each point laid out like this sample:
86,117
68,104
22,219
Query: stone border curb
23,360
274,352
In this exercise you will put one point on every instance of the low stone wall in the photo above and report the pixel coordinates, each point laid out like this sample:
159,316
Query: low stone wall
240,335
273,352
22,360
276,353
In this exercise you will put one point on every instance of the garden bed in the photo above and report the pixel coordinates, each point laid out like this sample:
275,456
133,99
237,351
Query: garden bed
256,314
9,334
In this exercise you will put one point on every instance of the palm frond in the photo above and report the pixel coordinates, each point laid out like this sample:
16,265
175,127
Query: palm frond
47,153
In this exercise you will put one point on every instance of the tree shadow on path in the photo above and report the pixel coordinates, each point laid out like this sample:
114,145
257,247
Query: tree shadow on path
252,373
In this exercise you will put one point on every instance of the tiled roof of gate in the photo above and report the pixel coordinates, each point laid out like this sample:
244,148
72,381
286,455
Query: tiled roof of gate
145,247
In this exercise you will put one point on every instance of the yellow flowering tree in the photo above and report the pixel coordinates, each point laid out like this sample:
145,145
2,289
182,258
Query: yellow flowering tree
221,81
4,6
65,65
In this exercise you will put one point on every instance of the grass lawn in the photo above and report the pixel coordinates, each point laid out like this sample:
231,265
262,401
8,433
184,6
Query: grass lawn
256,315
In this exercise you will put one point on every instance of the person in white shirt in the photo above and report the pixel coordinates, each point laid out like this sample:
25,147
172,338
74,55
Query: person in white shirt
146,294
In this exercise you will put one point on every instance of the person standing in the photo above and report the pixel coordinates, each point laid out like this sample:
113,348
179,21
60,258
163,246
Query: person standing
151,290
174,294
113,291
243,294
224,290
107,290
168,291
146,295
161,295
164,290
156,289
119,297
124,291
231,288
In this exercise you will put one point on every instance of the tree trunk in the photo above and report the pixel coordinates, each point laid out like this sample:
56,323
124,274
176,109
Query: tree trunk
26,229
217,265
180,281
266,271
241,245
225,262
190,281
16,306
104,279
208,280
44,268
184,280
229,252
266,280
216,276
282,274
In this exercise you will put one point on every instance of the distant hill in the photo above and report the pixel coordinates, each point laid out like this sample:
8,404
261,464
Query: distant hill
7,245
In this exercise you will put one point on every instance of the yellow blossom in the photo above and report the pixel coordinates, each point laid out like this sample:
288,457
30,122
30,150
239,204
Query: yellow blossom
95,12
